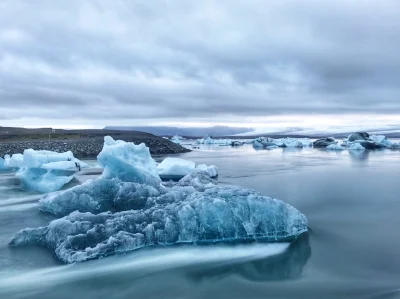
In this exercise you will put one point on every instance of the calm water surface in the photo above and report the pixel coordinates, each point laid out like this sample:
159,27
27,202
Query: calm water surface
351,201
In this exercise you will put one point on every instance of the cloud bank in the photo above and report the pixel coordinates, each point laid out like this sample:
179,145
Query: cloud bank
96,63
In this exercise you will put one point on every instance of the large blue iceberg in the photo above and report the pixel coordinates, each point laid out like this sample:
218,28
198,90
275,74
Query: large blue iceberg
179,216
128,208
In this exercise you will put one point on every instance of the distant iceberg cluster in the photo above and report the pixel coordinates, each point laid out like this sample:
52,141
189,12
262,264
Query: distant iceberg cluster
128,207
355,141
270,143
209,140
43,171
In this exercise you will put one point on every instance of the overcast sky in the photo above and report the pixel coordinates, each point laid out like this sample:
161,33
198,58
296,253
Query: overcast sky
74,63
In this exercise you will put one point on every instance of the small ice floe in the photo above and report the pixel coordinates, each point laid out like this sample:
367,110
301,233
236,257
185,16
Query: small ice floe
44,171
176,168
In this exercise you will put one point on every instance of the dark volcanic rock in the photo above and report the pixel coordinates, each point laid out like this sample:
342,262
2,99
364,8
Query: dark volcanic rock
358,136
324,142
88,147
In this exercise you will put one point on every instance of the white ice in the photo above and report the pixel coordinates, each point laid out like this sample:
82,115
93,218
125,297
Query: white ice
335,147
128,162
15,161
181,167
210,140
44,171
175,166
355,146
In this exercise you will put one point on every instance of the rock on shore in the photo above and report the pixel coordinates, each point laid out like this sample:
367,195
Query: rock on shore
87,147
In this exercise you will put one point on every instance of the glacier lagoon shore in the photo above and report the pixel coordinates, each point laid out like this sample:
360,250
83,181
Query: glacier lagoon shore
340,192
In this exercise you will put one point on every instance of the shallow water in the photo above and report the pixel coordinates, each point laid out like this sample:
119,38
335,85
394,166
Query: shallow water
351,201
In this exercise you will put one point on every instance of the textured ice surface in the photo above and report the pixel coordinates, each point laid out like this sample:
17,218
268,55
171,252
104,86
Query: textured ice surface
128,162
2,163
335,147
99,195
355,146
127,208
181,215
175,166
44,171
270,143
15,161
199,180
43,180
211,170
209,140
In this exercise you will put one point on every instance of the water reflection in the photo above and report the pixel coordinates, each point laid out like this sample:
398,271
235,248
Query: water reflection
359,156
284,266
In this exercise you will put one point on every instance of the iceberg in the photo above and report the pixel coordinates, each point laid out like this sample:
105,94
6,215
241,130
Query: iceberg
44,171
2,164
128,162
219,214
209,140
335,147
176,139
324,142
176,168
271,143
128,208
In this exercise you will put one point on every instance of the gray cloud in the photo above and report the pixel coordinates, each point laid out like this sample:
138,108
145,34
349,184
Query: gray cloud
177,60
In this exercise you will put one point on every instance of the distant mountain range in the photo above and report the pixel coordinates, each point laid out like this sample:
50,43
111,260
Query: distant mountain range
193,132
243,132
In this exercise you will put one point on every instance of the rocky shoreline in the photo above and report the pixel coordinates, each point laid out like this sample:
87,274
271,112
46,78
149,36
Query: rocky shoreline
88,147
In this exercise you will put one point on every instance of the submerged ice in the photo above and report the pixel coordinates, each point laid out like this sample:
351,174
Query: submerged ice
128,208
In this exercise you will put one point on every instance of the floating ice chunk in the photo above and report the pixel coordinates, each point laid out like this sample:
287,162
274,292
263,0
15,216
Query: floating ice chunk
209,140
211,170
219,214
356,146
128,162
176,140
45,171
15,161
324,142
175,167
43,180
335,147
2,163
269,143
